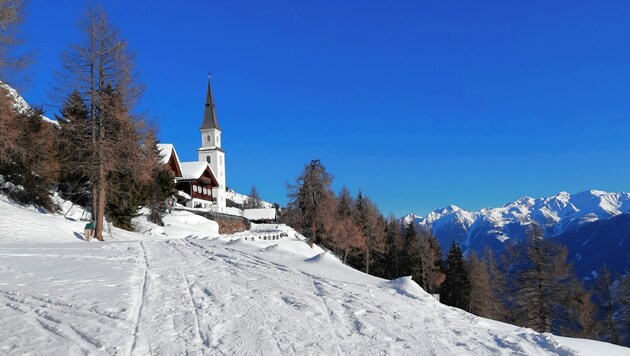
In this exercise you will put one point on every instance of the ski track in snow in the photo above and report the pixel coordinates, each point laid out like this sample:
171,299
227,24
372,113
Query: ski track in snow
228,295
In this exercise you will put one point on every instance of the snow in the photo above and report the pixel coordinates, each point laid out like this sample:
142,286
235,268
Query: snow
166,150
260,214
193,170
19,104
242,198
185,289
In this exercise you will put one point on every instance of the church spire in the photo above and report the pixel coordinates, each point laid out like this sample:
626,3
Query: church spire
210,120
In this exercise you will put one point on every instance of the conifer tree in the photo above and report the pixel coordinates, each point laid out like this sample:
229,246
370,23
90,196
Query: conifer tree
456,288
607,327
480,298
74,149
540,276
412,258
11,16
161,183
368,218
100,69
346,237
36,168
253,200
311,204
431,256
394,248
10,148
622,298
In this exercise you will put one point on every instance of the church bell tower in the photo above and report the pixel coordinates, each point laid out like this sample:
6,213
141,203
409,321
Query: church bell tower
210,150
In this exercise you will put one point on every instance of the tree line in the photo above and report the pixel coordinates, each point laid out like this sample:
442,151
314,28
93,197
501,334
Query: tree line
353,228
530,284
100,154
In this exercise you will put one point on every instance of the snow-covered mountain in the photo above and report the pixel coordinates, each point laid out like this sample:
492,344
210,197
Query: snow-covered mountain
185,289
239,198
491,227
605,241
19,103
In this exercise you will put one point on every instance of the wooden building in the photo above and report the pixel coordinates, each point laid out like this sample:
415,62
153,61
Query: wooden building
198,181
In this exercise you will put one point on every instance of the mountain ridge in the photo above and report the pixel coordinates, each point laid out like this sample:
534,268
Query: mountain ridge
492,227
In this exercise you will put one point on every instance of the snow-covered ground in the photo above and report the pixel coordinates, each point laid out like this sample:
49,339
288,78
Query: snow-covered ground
184,289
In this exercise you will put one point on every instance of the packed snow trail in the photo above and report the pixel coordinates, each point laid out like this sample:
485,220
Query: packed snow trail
261,292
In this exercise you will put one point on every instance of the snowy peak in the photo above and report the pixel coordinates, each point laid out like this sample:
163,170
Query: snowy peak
556,214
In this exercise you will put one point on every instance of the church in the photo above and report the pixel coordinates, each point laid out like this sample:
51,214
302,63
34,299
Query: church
201,183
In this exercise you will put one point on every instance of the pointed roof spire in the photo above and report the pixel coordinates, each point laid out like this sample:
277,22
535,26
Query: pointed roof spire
210,120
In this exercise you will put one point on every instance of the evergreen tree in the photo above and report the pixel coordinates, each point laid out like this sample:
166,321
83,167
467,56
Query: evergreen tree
100,69
394,248
74,143
161,183
607,327
456,288
412,258
622,298
369,220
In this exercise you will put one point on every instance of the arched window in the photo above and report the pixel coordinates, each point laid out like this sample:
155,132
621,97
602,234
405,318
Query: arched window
208,159
208,139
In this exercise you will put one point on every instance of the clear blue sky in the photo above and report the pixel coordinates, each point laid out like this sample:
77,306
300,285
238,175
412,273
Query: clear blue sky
418,104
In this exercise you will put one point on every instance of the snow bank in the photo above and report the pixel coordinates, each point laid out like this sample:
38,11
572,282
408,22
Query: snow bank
189,290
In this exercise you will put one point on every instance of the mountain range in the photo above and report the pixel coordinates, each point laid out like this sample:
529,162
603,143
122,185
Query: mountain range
572,218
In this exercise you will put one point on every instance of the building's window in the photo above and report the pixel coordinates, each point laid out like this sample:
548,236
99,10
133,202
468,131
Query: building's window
208,159
208,139
205,191
195,188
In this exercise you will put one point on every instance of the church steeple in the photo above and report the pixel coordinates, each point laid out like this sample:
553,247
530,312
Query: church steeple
210,120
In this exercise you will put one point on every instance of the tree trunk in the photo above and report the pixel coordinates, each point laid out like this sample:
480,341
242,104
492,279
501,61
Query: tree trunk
101,205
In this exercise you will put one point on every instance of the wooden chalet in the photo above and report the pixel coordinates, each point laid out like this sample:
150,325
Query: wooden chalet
197,180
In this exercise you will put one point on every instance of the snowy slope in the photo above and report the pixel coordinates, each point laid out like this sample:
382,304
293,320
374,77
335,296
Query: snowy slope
19,103
241,198
183,289
493,226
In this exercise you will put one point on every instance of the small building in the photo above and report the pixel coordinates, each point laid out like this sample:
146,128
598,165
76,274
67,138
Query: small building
199,182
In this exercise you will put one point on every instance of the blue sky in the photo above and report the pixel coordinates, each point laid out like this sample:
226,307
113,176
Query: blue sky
418,104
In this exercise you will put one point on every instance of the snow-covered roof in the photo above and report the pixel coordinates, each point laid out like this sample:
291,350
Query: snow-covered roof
193,170
166,150
260,214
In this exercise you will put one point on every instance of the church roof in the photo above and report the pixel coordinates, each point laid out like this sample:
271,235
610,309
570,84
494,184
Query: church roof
210,120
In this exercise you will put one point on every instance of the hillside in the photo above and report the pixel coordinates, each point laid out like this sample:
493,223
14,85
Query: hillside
185,289
604,241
